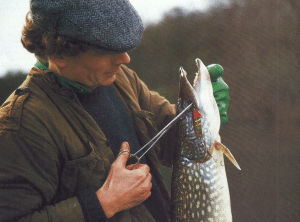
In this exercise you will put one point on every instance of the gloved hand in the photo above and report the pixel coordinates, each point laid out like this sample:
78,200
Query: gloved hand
221,90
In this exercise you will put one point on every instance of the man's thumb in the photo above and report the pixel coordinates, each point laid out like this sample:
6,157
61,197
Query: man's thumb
123,154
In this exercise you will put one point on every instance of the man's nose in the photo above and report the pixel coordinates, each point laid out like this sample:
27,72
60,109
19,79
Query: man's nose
122,58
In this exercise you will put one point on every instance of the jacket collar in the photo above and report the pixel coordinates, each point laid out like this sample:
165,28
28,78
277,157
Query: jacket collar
74,86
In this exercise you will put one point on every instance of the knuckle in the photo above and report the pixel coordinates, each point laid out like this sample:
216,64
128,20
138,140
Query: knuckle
150,186
142,175
148,195
147,186
139,174
145,167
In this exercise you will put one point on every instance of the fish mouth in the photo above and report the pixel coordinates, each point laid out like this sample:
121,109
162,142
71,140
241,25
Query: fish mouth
191,126
198,130
187,94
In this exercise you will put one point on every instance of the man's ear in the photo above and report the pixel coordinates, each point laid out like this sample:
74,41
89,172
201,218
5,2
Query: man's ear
59,62
57,65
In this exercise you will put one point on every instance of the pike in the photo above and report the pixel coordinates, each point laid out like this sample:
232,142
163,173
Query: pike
199,188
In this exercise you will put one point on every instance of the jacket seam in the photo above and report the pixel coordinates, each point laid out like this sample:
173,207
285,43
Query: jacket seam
42,143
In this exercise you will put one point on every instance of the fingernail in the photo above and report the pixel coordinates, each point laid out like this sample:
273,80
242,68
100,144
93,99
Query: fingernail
125,146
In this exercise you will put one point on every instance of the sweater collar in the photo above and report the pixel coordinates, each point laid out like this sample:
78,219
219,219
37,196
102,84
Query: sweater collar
74,86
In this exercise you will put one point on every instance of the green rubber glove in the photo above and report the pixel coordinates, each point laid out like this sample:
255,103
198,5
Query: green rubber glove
221,90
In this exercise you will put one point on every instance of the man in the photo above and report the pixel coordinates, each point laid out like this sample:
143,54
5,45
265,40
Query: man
62,129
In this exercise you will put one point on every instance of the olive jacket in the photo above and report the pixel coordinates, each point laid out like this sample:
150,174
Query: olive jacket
51,148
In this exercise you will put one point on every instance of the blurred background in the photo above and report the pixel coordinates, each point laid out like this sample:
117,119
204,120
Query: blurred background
258,44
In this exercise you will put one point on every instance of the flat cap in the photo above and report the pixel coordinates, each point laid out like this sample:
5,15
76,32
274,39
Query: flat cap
105,26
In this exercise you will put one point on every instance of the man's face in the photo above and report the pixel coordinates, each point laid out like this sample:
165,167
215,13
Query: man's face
93,69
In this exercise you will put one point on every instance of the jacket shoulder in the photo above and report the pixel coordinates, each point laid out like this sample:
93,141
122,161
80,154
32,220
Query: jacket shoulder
11,109
29,102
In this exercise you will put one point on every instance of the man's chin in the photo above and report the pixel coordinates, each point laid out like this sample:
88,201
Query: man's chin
107,81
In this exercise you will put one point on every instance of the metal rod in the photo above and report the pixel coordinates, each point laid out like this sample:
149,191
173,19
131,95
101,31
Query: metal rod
163,131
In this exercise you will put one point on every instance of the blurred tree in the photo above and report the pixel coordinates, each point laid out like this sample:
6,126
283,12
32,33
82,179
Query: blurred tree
10,82
257,43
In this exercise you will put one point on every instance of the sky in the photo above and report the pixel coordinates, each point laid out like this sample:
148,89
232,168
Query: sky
13,57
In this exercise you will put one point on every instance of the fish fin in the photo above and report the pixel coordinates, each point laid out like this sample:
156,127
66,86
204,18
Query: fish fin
226,151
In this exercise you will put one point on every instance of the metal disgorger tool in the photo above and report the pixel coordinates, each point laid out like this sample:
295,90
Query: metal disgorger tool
157,136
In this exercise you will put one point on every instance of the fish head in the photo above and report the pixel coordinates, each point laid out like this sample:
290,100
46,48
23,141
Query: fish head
191,135
198,129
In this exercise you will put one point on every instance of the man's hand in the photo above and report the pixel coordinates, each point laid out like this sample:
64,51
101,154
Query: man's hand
123,188
221,90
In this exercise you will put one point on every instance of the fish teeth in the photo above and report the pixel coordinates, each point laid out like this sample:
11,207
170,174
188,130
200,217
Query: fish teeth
183,73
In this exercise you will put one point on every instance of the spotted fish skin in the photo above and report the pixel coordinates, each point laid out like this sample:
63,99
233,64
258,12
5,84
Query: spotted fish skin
199,188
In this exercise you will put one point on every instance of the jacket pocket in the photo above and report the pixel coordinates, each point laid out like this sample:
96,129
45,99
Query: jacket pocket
82,173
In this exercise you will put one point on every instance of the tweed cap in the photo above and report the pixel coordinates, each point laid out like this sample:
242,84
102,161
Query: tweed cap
105,26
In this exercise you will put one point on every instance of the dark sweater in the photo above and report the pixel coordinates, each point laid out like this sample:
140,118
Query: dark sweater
106,108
